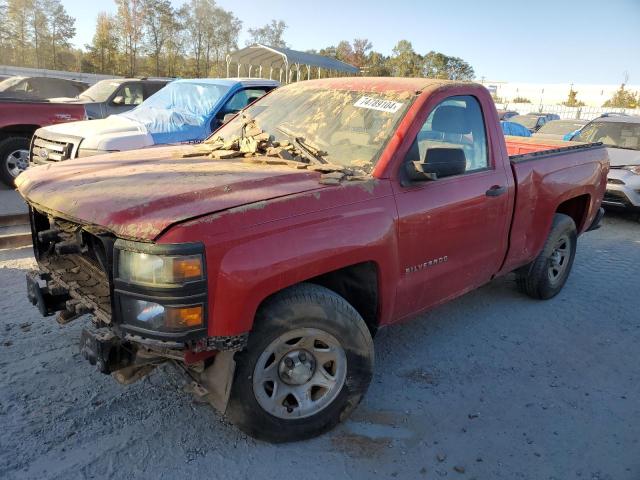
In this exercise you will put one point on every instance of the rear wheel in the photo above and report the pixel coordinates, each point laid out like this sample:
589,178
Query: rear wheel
14,158
547,274
308,363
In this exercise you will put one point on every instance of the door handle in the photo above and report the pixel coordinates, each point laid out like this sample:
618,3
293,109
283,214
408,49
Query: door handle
496,191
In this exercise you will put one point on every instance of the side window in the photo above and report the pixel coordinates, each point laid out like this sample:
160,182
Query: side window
241,99
455,124
151,88
131,93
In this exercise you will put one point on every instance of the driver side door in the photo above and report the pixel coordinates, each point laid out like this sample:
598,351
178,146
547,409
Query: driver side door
453,229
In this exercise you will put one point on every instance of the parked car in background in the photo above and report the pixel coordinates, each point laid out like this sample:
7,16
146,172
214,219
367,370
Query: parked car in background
40,88
515,129
183,111
506,114
549,116
18,120
532,122
118,95
621,135
559,129
263,260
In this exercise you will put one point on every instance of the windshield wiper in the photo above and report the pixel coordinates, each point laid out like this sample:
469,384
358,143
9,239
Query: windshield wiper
310,151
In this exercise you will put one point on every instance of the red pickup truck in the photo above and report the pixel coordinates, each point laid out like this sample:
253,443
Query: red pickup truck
19,119
263,261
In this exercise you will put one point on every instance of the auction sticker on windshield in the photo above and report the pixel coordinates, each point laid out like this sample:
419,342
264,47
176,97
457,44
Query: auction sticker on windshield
378,104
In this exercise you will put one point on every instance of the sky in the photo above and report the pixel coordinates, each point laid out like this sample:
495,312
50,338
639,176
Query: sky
539,41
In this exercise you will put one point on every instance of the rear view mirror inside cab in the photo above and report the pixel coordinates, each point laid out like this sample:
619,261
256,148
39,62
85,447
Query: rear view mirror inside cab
438,163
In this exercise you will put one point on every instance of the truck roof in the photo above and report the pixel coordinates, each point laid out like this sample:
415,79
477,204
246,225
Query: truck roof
230,82
395,84
618,118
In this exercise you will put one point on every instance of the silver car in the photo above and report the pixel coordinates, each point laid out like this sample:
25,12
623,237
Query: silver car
621,134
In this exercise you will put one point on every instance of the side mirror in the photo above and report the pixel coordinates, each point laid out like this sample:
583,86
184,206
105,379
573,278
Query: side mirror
438,163
228,117
119,100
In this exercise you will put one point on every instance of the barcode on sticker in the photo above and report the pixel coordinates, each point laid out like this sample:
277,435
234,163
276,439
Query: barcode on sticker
378,104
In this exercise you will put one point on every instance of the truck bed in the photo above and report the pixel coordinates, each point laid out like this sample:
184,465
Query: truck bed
563,171
523,148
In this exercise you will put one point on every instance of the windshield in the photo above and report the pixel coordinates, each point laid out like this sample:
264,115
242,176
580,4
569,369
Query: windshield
528,121
101,91
179,112
612,134
561,127
7,84
349,127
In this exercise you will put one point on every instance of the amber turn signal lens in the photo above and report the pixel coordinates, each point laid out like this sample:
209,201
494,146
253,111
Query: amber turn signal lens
187,268
183,317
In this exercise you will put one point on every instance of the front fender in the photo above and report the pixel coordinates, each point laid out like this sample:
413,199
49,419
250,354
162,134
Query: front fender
247,265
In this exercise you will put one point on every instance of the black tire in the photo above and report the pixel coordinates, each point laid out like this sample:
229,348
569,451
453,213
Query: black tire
537,279
304,306
7,146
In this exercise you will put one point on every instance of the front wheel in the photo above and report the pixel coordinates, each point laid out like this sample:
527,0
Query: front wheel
308,363
14,158
547,274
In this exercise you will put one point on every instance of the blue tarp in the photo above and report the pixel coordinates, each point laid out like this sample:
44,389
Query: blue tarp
179,112
513,128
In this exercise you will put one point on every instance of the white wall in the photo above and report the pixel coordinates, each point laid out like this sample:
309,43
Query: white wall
89,78
555,93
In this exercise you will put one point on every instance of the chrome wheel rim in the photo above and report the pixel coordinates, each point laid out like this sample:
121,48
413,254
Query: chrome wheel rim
17,162
559,259
300,373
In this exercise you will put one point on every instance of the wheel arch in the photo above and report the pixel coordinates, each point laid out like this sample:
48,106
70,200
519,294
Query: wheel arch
21,130
358,284
577,208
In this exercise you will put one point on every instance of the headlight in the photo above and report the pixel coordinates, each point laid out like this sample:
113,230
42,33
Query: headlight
634,169
160,290
151,269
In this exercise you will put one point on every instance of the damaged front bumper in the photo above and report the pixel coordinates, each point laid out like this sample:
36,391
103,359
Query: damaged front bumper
79,273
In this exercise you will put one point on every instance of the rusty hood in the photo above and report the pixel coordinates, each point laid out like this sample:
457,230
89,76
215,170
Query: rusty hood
138,194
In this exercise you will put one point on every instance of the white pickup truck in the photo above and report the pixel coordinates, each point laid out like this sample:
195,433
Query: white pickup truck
185,111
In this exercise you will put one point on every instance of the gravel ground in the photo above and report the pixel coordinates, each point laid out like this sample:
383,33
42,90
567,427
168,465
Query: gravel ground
493,385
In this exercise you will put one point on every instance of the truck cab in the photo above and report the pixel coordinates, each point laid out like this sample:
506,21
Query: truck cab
116,95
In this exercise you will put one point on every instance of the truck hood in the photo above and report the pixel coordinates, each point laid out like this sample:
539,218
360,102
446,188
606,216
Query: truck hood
138,194
91,128
621,157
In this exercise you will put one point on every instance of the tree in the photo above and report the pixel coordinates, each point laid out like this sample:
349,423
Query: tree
129,25
361,47
199,21
158,25
18,13
572,99
521,100
176,42
61,29
376,65
439,65
103,50
5,34
405,62
623,99
344,52
270,34
224,38
39,28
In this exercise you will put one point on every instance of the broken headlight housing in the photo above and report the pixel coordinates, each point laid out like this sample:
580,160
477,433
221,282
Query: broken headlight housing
160,290
633,169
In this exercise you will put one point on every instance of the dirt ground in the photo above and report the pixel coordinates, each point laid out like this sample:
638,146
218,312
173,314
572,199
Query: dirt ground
491,386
